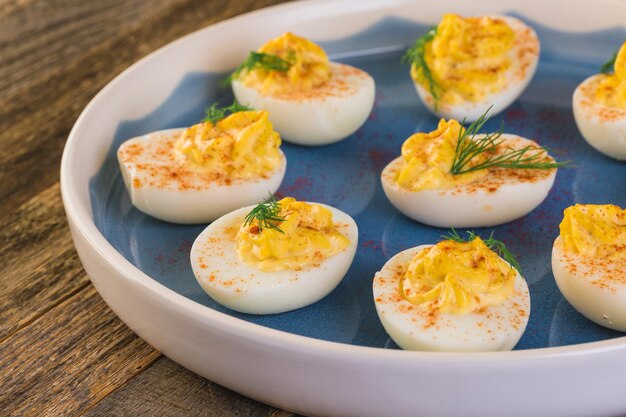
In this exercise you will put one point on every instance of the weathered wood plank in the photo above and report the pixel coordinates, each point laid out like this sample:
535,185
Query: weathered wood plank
34,39
11,6
166,389
40,267
69,359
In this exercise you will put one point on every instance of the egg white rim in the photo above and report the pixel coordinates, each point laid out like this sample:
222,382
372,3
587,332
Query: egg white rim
179,130
80,216
458,189
468,105
397,317
250,273
589,111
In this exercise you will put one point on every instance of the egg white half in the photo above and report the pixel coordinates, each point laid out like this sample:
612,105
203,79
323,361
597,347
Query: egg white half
596,289
327,114
488,201
524,59
162,187
604,128
247,289
412,327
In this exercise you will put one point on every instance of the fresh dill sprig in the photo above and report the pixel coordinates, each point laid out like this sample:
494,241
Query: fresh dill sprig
608,66
493,244
260,60
469,146
267,214
416,55
214,113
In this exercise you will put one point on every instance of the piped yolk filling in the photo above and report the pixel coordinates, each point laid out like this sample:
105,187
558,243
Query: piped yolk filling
309,68
468,58
611,90
243,145
457,278
428,158
308,237
596,231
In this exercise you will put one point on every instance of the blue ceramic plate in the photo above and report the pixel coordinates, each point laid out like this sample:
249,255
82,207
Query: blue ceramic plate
347,175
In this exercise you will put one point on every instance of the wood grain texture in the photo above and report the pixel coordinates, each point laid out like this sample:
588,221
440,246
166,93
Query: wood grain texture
62,350
41,268
34,39
70,358
166,390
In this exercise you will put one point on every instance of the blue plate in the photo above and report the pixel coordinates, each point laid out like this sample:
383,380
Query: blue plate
347,175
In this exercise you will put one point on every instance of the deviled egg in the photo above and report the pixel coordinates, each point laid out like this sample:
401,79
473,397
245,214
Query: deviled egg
589,262
599,105
463,66
274,257
311,101
453,296
456,177
197,174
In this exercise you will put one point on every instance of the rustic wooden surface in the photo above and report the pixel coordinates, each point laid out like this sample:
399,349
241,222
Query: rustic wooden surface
62,351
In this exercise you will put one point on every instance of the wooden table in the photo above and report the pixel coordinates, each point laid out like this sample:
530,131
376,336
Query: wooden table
62,350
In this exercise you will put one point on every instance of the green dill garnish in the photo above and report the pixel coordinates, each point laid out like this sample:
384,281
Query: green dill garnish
469,146
415,55
607,67
493,244
267,214
214,114
260,60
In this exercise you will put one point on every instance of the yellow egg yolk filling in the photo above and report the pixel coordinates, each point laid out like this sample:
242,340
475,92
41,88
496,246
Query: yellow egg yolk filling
468,58
457,277
611,90
308,237
243,145
597,231
428,158
309,67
